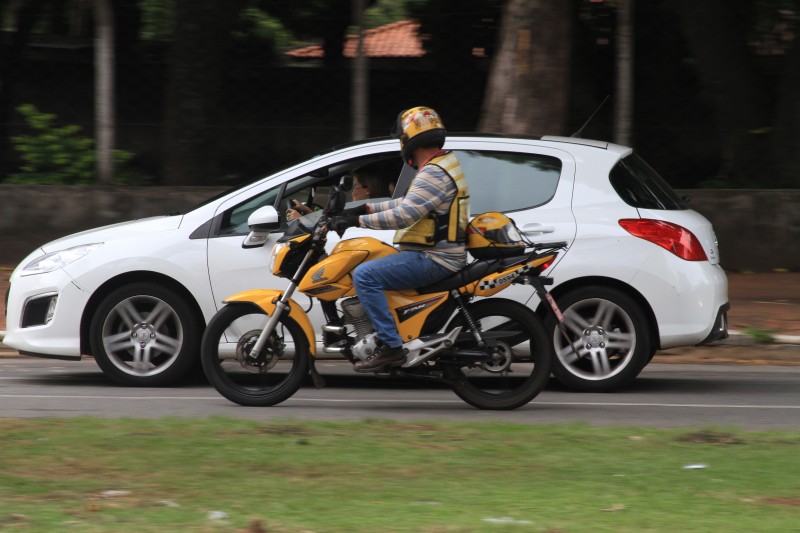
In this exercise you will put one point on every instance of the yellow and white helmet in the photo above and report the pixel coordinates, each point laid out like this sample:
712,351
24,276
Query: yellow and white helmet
417,127
493,235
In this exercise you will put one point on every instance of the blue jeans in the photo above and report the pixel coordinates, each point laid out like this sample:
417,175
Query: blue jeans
396,272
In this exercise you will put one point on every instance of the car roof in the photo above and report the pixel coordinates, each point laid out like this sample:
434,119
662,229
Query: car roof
546,139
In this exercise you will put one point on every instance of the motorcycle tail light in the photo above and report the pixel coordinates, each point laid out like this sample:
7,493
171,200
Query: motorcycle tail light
672,237
544,266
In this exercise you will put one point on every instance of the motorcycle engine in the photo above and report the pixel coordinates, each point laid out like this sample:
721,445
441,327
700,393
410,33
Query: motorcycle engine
354,314
365,347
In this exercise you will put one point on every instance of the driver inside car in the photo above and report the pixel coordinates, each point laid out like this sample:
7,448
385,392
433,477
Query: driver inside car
369,183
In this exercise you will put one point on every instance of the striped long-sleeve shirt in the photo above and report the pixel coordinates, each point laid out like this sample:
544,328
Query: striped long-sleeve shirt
431,190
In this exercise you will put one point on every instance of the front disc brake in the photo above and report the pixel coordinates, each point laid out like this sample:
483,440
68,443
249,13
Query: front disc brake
262,362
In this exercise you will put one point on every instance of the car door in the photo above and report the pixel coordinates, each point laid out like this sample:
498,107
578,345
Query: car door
233,269
531,184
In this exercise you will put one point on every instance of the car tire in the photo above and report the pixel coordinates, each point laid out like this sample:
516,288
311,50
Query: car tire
146,335
609,331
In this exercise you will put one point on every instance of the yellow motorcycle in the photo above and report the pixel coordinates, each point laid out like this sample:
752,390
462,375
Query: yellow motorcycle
493,352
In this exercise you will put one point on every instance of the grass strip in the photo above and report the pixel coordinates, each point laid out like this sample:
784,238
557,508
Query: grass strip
224,474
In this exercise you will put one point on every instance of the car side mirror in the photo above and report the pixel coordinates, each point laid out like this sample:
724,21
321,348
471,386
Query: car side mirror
262,221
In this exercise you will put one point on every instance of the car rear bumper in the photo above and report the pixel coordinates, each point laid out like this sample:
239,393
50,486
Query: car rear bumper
720,329
689,299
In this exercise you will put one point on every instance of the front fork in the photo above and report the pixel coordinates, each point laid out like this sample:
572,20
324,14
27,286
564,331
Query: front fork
283,305
282,302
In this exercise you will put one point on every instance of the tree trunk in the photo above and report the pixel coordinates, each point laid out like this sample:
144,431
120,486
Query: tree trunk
360,73
104,91
338,17
195,78
528,85
623,116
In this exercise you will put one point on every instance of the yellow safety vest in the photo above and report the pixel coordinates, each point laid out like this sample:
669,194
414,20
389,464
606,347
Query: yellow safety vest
431,229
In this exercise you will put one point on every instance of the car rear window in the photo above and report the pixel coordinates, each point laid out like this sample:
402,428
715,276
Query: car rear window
507,181
640,186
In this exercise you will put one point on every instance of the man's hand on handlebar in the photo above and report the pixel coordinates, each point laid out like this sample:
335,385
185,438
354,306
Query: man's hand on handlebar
341,222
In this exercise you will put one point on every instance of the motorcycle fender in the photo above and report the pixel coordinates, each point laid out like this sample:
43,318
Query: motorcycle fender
266,298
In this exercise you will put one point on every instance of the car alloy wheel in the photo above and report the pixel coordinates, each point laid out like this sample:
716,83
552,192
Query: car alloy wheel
144,334
608,331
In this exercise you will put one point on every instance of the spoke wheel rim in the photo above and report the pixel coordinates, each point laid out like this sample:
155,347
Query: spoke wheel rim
506,367
265,380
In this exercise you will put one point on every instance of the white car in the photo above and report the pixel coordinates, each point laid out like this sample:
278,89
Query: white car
641,272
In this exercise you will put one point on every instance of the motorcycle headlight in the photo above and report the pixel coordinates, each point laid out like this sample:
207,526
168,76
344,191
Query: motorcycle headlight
55,260
276,250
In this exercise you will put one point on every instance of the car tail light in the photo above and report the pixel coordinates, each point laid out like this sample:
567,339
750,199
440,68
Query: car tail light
677,239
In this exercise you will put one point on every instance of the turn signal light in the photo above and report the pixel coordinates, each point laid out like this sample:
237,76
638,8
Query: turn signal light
677,239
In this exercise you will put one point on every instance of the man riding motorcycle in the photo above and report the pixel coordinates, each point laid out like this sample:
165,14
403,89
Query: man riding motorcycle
431,222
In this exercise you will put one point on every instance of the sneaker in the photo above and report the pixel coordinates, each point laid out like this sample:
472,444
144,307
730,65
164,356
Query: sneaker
382,357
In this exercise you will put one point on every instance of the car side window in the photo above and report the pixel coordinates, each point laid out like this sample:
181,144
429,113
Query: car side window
507,181
640,186
234,220
306,190
312,190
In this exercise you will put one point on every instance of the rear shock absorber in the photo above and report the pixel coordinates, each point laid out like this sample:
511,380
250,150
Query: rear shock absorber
473,326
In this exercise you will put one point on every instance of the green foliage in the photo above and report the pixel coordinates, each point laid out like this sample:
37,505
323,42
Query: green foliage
385,12
760,335
263,27
158,19
56,155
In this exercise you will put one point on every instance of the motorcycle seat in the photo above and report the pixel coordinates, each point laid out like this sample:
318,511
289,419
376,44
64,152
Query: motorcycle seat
472,272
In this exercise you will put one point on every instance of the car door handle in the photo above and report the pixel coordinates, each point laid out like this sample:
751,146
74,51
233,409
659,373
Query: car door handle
530,229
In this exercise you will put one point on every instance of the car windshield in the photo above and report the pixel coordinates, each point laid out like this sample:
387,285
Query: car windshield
243,184
640,186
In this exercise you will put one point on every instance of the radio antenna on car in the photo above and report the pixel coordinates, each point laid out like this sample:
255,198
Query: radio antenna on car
578,133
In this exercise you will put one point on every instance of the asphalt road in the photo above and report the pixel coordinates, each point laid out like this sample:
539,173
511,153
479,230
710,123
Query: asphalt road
665,395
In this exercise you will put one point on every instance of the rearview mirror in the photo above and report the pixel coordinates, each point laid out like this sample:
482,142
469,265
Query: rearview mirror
261,221
336,201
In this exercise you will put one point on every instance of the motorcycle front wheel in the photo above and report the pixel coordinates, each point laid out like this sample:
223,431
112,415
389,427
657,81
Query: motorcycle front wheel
518,354
246,378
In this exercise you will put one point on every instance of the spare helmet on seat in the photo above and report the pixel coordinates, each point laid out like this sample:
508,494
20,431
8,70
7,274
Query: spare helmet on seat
492,235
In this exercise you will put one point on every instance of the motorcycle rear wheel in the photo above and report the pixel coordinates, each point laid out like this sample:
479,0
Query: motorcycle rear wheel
262,381
520,366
